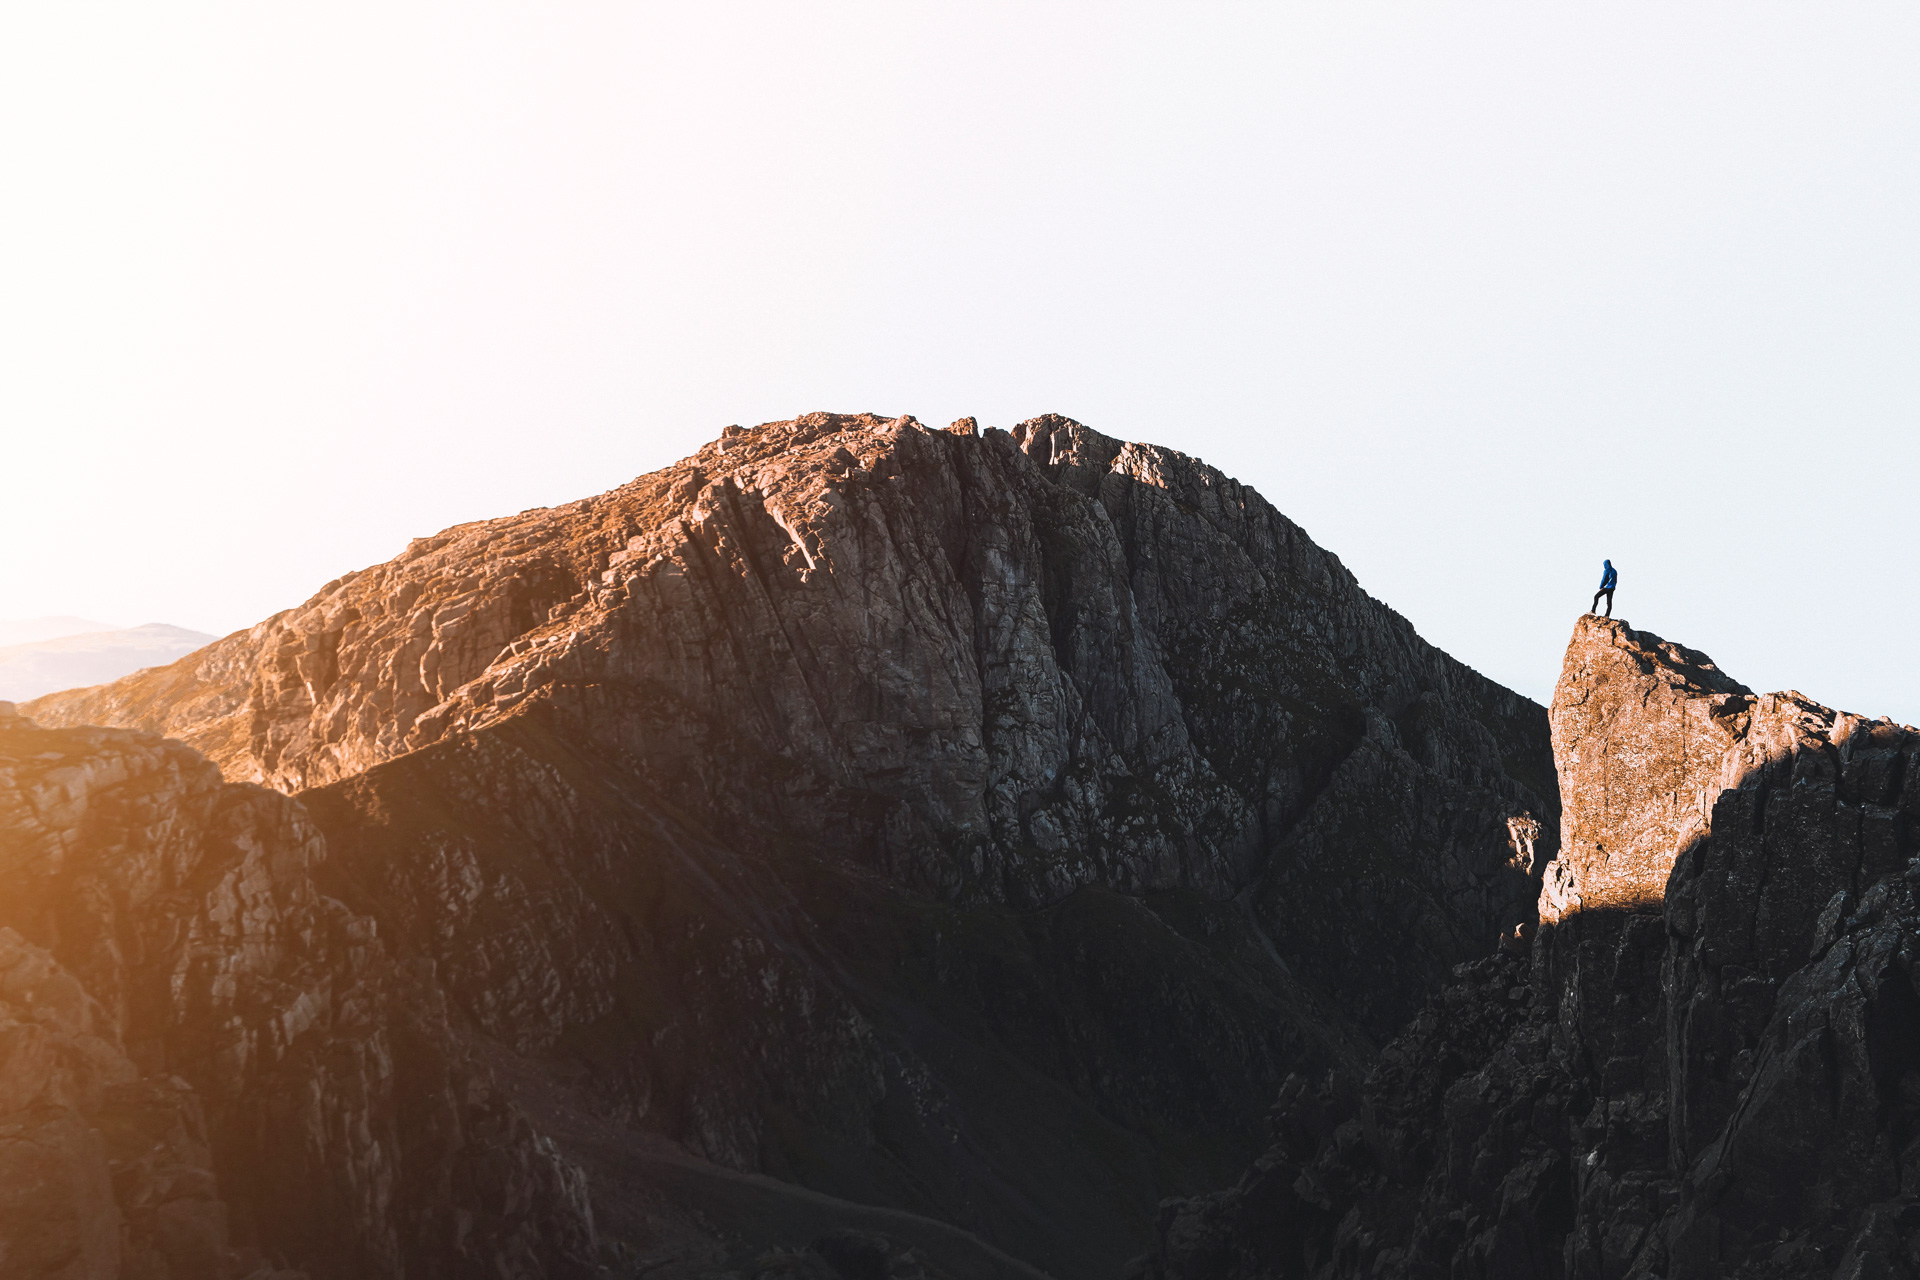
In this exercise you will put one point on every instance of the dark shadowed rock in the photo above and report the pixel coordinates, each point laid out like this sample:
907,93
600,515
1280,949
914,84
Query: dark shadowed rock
1708,1066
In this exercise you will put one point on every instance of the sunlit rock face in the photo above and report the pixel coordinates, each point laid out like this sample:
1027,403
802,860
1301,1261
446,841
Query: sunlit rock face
995,667
1640,730
207,1065
975,825
1707,1065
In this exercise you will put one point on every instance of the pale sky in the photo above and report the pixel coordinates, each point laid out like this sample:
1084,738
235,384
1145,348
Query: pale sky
1477,293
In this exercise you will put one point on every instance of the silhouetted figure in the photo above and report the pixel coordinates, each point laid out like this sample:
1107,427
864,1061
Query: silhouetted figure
1608,577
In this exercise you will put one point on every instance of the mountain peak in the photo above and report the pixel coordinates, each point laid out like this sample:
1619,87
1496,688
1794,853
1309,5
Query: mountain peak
968,827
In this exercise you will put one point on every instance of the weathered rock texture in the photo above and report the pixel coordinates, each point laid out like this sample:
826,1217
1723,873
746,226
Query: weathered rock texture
1708,1065
971,827
206,1065
1641,729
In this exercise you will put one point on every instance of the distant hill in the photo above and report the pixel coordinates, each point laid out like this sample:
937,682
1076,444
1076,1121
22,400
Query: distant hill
68,661
32,630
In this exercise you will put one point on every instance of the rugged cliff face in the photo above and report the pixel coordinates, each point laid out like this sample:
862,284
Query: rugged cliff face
991,668
206,1064
957,829
1707,1065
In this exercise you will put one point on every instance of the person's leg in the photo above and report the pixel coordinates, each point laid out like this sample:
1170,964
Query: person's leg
1609,594
1595,606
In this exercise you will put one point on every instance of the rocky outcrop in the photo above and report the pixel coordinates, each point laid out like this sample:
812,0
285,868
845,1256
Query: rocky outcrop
1709,1062
1641,729
207,1067
58,1215
970,826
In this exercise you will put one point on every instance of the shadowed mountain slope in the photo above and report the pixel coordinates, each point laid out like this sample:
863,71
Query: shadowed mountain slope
977,827
1707,1066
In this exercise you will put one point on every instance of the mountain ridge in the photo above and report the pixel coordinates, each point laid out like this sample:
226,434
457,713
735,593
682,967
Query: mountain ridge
980,825
1707,1062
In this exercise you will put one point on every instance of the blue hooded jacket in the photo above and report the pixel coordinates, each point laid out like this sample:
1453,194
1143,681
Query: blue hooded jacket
1608,576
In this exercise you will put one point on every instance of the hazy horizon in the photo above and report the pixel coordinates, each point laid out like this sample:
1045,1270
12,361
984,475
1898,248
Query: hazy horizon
1478,298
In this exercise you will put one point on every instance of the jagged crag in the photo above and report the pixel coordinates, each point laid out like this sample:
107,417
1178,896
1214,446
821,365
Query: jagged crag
856,850
1708,1062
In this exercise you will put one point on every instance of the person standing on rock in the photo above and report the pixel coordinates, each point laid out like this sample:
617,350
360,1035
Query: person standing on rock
1608,577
